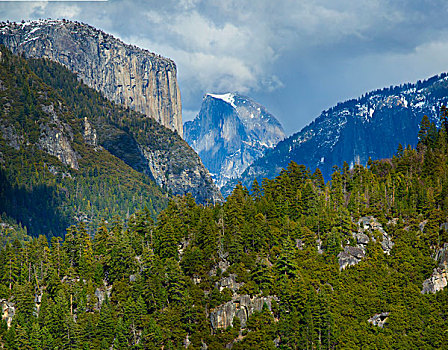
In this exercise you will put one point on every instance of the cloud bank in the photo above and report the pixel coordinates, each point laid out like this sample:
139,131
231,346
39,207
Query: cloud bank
296,57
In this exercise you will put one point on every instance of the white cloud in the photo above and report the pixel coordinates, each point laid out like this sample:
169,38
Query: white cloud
188,114
153,17
66,11
16,11
213,57
280,48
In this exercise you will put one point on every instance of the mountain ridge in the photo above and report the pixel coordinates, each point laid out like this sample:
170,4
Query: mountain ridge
349,131
81,139
53,171
137,139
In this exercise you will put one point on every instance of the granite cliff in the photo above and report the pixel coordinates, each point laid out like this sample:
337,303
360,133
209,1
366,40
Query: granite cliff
230,133
135,78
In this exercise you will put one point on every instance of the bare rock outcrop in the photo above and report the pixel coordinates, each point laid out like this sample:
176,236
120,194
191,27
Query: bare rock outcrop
439,277
12,137
379,320
228,282
241,306
367,225
56,137
350,257
101,294
181,173
89,133
136,78
8,311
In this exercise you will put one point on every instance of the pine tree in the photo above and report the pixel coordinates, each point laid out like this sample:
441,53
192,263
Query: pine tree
285,262
424,129
106,324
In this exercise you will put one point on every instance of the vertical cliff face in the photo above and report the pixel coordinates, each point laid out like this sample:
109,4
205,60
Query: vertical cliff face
439,278
230,132
125,74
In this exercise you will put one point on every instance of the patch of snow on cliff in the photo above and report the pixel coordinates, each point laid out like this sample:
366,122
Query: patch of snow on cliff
404,101
33,30
228,98
29,40
419,104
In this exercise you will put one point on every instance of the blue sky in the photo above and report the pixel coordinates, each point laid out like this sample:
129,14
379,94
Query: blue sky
295,57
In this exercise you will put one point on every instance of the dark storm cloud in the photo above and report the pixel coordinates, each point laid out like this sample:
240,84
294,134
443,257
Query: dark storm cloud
296,57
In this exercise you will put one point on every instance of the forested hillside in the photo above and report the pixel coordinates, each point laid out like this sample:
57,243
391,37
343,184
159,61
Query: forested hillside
53,171
293,263
135,138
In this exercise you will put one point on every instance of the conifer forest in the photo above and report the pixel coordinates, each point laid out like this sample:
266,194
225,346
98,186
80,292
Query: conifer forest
143,283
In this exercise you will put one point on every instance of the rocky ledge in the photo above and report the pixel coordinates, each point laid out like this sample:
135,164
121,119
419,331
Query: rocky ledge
367,225
379,320
439,277
8,311
241,306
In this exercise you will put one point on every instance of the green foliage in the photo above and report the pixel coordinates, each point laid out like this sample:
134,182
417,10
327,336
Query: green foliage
38,193
132,282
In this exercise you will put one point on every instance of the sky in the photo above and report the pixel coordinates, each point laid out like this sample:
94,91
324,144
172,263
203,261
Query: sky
295,57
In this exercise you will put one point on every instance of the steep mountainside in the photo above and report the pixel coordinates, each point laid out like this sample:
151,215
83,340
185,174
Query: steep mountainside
358,263
136,78
230,132
53,171
371,126
138,140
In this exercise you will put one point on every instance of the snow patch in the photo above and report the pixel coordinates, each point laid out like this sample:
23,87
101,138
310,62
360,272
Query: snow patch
27,41
404,101
33,30
419,104
228,98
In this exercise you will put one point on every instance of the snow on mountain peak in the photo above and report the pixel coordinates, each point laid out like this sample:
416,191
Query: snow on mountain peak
228,98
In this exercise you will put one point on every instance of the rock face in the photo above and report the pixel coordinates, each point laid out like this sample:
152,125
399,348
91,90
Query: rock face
136,78
8,311
367,226
230,132
437,281
228,282
439,277
101,294
56,138
136,139
350,257
181,171
350,130
240,306
90,135
379,320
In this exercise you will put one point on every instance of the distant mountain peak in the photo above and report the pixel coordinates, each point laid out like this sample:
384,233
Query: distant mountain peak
230,132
